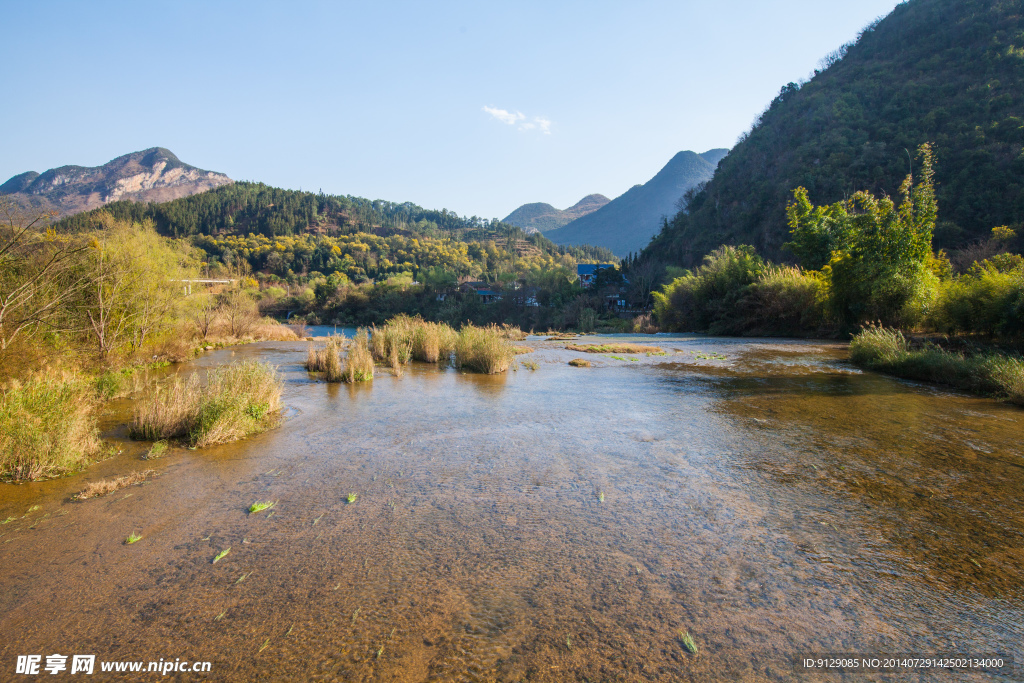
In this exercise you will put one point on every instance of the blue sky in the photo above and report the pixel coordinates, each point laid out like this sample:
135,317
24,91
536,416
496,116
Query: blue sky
477,107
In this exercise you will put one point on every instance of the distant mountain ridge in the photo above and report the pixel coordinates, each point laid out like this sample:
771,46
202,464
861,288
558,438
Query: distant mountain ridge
543,217
152,175
628,222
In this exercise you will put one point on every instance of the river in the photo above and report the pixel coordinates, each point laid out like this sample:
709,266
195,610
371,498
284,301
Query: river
563,524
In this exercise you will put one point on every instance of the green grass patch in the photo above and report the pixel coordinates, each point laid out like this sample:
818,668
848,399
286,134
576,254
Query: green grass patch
259,506
351,498
987,373
221,555
133,538
688,642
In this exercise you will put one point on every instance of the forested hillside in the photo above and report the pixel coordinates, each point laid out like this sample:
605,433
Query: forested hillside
949,72
291,234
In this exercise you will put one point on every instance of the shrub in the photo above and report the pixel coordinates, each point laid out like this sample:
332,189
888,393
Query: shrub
237,401
697,300
988,299
483,349
47,426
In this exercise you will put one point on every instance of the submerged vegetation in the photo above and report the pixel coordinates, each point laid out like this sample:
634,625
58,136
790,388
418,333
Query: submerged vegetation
105,487
237,401
614,348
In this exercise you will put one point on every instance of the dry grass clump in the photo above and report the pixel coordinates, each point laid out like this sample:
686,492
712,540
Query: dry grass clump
359,361
47,426
105,487
520,350
645,324
432,342
326,358
511,332
580,363
613,348
237,401
483,349
404,338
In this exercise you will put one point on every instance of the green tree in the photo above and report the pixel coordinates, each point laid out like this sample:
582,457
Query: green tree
876,256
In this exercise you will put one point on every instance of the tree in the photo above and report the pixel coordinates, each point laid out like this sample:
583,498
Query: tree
37,277
875,254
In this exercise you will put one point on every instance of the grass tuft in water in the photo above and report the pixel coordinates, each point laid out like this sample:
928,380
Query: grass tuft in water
105,487
600,497
221,555
359,361
259,506
483,349
156,450
132,538
580,363
688,642
613,348
530,365
351,498
237,401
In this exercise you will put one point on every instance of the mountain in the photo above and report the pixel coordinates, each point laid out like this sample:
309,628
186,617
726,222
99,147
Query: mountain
152,175
627,223
949,72
543,217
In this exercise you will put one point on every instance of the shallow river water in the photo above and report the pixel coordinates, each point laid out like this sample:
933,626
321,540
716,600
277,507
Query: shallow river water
563,524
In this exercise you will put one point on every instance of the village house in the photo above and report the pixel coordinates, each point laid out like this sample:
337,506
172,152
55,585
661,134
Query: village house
587,273
485,291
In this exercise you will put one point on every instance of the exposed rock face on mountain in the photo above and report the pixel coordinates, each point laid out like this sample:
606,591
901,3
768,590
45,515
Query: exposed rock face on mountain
543,217
152,175
628,222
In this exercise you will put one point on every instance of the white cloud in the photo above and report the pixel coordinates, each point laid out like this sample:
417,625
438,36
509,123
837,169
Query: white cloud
511,118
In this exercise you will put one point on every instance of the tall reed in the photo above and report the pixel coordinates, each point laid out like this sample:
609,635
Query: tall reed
47,426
